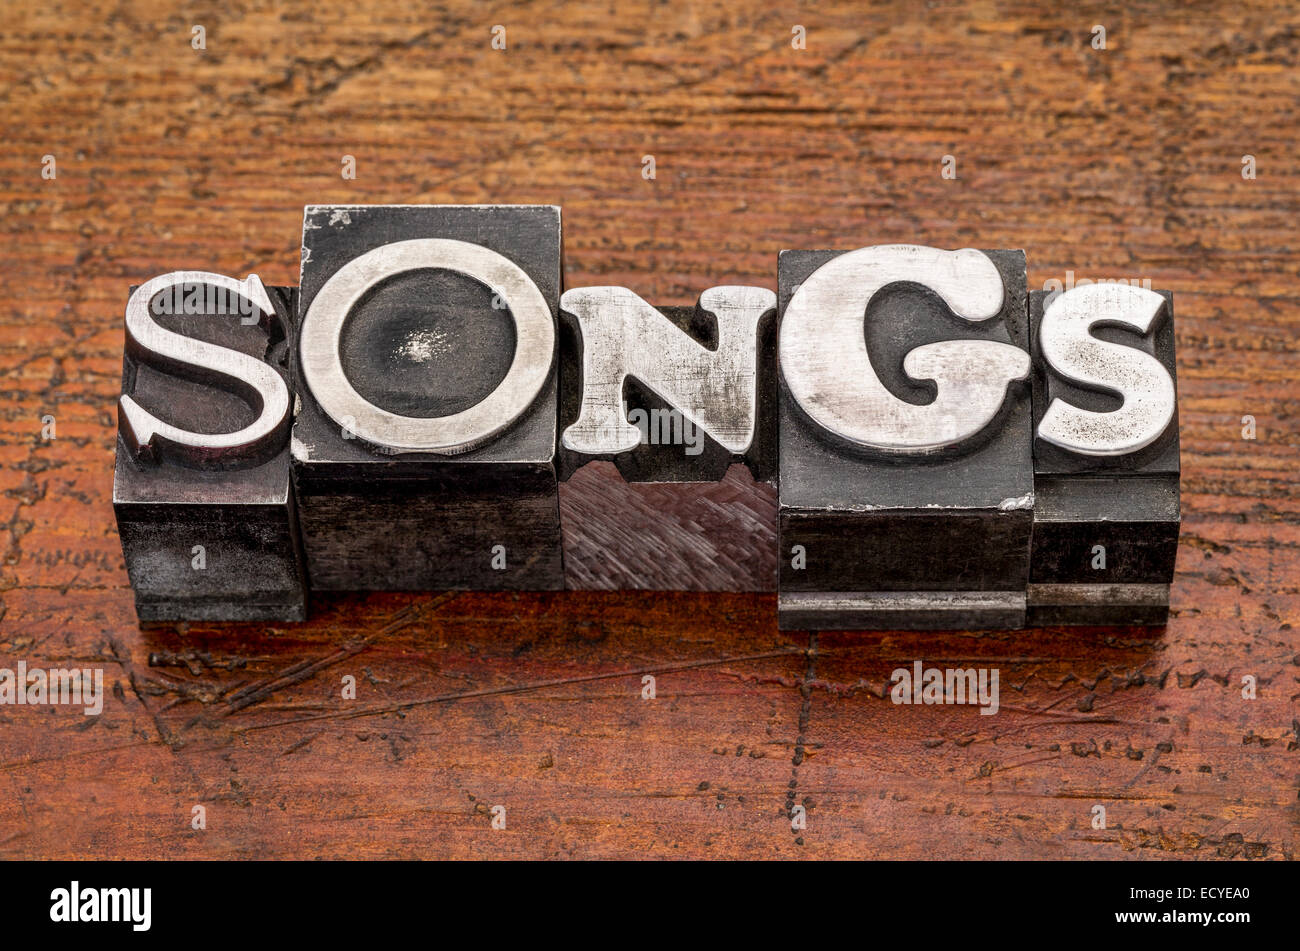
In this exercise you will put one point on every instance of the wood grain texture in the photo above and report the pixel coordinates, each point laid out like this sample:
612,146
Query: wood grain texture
668,536
1116,163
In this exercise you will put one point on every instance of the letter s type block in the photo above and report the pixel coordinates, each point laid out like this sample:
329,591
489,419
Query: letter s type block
906,473
424,442
1106,463
201,486
668,441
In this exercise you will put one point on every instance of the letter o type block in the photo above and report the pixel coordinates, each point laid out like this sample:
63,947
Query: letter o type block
424,439
201,485
906,474
1106,466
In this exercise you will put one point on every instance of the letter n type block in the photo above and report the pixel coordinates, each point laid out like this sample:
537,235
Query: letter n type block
201,488
668,443
424,443
1106,467
906,474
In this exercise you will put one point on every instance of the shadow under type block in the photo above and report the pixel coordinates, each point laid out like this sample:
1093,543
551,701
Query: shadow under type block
906,473
1106,466
424,438
201,485
668,445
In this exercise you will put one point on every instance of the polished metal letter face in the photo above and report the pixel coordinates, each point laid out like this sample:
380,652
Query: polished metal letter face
1071,351
623,336
826,366
447,435
245,375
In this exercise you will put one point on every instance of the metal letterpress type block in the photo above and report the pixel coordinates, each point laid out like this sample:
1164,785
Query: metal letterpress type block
906,476
424,440
668,442
201,487
1106,467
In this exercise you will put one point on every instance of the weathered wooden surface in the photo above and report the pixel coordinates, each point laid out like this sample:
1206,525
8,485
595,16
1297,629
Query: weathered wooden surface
1116,163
